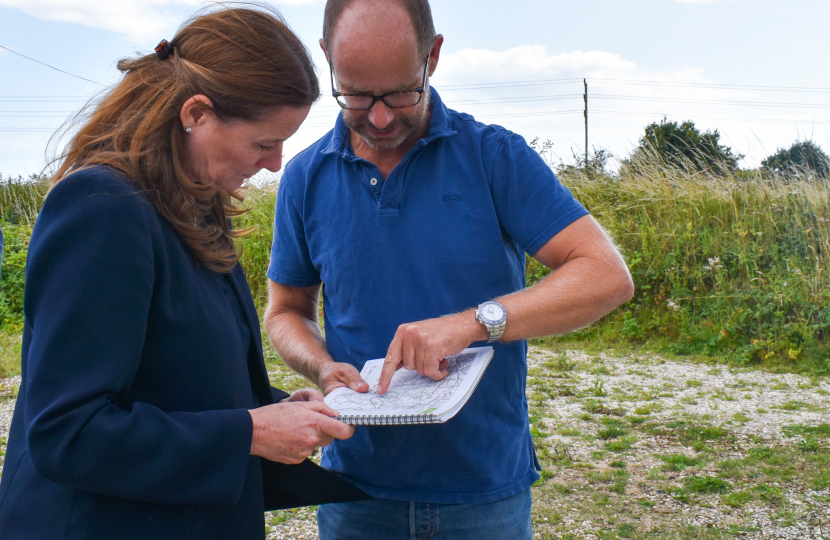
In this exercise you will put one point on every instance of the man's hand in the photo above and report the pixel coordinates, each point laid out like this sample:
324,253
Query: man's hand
290,432
336,374
424,345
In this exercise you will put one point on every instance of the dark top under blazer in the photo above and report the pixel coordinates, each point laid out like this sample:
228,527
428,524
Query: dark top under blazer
132,417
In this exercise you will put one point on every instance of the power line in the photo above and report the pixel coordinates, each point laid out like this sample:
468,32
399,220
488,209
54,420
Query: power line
507,84
708,117
714,101
714,86
330,111
51,67
326,111
554,97
765,88
21,129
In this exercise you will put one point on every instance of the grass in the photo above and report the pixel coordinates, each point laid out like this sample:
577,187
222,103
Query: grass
728,272
723,266
727,267
678,462
9,354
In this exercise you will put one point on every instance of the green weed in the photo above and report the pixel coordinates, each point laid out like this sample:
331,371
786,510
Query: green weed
706,484
678,462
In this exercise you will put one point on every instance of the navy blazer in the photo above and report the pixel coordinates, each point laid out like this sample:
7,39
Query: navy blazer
132,417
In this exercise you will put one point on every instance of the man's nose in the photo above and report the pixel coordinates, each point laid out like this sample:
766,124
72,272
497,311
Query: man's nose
380,115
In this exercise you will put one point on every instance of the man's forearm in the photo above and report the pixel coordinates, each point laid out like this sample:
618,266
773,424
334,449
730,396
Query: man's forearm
299,342
577,294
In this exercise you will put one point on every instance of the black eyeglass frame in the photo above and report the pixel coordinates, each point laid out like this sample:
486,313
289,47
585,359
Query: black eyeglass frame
420,90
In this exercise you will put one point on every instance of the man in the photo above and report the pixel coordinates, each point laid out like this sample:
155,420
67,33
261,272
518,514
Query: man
413,215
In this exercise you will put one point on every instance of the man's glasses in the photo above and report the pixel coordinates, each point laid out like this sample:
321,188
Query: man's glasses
393,100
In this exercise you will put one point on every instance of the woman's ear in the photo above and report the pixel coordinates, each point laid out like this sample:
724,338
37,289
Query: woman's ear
194,112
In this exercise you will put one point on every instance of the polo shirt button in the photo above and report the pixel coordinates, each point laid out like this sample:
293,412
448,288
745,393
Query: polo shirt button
373,181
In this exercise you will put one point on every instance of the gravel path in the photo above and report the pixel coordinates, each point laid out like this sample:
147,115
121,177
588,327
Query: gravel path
626,440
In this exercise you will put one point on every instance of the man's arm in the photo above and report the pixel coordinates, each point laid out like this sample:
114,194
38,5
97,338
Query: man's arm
589,280
294,329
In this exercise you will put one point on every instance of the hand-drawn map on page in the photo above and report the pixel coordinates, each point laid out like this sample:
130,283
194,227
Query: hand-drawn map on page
411,394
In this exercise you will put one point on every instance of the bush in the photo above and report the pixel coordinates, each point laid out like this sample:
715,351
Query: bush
13,276
20,202
804,159
683,147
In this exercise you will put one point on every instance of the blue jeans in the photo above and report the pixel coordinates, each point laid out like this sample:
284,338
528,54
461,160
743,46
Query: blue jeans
384,519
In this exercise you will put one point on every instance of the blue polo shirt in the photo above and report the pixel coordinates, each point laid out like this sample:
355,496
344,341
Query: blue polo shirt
446,231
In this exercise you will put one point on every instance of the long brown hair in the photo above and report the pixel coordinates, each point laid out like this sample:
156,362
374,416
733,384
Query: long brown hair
246,61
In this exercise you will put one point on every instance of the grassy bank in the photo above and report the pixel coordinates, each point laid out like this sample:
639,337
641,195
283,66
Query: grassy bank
731,267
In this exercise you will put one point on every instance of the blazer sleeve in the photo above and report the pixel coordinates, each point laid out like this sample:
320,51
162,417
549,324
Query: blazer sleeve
90,279
278,394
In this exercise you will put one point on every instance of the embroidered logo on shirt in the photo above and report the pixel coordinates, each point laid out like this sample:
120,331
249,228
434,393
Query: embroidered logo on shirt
452,196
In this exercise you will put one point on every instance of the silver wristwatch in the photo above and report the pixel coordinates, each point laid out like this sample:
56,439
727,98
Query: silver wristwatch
493,317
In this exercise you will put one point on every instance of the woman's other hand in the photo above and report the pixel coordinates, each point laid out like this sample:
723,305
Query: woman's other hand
289,432
306,394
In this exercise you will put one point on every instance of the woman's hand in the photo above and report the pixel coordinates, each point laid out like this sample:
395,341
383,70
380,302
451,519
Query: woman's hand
289,432
306,394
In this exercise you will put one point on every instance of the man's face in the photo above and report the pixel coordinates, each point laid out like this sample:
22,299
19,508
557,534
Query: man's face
375,52
383,127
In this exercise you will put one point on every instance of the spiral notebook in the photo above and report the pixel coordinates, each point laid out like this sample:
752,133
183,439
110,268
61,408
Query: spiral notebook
412,398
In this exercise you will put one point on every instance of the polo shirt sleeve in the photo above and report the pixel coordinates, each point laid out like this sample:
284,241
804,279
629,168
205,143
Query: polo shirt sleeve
290,262
531,204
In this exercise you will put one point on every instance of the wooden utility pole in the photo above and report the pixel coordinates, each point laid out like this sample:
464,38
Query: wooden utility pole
585,96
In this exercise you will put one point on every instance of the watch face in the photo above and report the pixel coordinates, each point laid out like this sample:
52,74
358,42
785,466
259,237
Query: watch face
492,312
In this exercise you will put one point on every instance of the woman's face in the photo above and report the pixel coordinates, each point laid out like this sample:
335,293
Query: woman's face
226,153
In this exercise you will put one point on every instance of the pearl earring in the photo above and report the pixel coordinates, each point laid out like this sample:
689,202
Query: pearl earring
188,129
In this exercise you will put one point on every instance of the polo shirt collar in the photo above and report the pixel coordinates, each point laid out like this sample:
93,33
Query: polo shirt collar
440,125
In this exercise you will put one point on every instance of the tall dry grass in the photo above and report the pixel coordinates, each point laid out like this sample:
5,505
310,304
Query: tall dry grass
733,265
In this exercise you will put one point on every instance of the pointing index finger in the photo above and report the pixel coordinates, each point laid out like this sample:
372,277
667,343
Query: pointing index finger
390,365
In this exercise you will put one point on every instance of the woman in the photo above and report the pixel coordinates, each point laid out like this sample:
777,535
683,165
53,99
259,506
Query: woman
145,405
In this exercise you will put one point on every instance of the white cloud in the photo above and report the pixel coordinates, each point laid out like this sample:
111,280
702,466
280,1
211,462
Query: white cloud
533,62
139,20
536,93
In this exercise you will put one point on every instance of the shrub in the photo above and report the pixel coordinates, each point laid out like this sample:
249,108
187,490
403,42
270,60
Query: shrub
13,276
684,147
804,159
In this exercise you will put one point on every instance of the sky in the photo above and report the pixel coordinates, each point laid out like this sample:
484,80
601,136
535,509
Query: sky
755,70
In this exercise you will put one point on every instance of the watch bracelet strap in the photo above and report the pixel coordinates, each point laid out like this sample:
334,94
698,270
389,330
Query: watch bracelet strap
497,329
496,332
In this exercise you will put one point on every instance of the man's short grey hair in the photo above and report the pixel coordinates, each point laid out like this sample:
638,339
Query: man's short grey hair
419,12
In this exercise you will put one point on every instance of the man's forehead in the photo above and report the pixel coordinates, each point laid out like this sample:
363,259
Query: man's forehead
369,26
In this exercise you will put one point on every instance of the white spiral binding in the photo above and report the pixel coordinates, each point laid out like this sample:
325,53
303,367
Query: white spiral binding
388,420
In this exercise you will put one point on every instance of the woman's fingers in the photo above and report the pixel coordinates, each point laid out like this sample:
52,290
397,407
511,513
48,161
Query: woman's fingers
306,394
289,432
